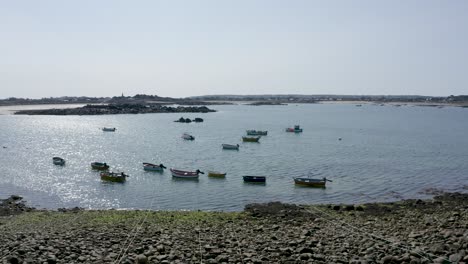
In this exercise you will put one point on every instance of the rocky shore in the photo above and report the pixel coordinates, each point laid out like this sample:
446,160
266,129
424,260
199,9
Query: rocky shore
113,109
410,231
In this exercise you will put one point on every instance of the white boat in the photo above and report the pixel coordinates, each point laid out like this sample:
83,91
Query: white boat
153,167
58,161
109,129
188,136
185,174
229,146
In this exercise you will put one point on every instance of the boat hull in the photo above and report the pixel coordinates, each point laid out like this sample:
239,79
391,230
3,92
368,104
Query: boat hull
184,174
250,139
216,174
231,147
259,179
188,137
152,167
112,177
256,133
58,161
108,129
295,129
319,183
99,166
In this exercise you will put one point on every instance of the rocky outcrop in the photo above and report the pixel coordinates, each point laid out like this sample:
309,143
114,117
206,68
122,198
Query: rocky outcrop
113,109
14,205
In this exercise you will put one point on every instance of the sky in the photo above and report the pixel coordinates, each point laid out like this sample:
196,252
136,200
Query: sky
187,48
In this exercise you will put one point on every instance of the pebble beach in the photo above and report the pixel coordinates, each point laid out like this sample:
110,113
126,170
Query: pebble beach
408,231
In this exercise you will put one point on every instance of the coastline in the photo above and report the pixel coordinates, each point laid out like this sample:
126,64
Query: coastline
12,109
408,231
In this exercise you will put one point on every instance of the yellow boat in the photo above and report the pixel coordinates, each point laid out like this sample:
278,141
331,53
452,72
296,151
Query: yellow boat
250,139
216,174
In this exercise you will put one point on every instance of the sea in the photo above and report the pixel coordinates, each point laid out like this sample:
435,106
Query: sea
371,153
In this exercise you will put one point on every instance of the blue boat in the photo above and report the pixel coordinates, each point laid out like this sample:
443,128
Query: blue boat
254,178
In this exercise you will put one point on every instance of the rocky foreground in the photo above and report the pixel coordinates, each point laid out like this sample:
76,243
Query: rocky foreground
114,109
411,231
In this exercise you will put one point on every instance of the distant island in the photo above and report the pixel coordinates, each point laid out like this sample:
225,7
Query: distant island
113,109
266,99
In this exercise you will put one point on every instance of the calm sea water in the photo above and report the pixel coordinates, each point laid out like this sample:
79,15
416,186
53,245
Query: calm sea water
386,153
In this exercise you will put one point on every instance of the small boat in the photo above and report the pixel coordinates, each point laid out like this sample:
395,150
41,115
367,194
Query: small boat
358,105
229,146
257,133
108,129
185,174
216,174
113,176
251,139
296,129
187,136
254,178
153,167
311,182
58,161
99,166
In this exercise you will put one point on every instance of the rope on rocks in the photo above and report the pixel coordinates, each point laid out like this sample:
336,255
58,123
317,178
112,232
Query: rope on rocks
43,227
357,230
134,231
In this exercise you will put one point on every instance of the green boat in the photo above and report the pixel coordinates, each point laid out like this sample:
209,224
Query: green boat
113,176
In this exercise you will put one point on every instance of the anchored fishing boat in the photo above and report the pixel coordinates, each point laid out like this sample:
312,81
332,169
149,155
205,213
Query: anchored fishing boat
251,139
58,161
108,129
99,166
256,133
187,136
229,146
311,182
254,178
296,129
113,176
216,174
153,167
185,174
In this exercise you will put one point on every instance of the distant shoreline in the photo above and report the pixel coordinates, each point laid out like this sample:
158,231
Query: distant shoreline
11,109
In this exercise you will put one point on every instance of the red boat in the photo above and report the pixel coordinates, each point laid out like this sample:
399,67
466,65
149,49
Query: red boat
185,174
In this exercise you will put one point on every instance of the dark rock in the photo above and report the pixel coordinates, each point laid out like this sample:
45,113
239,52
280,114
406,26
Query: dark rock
13,260
141,259
305,256
305,250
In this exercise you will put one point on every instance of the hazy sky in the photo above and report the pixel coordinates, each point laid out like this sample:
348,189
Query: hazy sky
185,48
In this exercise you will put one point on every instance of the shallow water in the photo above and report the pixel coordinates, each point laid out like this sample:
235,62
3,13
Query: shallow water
386,153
